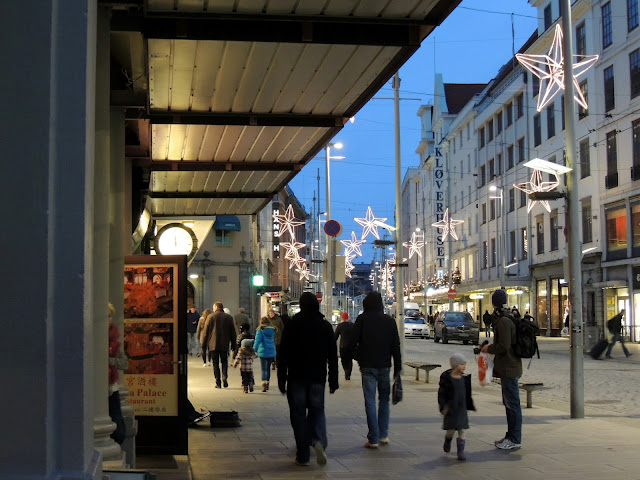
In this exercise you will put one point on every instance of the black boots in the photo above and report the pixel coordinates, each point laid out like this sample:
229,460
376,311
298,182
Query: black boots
447,444
460,445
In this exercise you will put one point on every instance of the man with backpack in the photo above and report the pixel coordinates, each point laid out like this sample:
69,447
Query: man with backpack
507,366
615,328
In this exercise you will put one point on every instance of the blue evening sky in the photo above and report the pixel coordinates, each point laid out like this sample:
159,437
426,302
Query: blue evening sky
469,47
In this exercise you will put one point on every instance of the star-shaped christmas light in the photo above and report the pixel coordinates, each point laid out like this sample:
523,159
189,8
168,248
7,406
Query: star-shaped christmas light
549,68
297,262
292,248
414,245
537,185
287,222
303,271
448,225
371,224
353,245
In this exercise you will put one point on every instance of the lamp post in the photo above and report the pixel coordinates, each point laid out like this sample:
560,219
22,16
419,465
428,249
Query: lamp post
329,271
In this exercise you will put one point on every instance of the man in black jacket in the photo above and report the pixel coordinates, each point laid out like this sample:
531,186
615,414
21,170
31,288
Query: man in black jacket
375,337
343,332
614,325
306,349
486,319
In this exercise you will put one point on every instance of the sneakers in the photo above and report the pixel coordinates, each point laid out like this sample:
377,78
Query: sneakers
499,441
370,445
302,464
205,365
251,387
225,384
508,445
384,441
320,453
607,356
246,389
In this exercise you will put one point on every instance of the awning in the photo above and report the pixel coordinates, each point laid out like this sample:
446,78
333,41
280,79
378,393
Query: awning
227,222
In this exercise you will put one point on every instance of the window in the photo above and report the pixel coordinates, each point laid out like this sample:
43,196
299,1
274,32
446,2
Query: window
223,238
482,175
540,235
492,208
551,121
581,40
553,224
547,17
521,150
583,112
587,226
635,128
512,246
523,199
485,255
499,164
520,105
585,163
492,171
498,123
607,30
494,253
509,110
609,89
509,157
616,225
489,130
634,72
612,153
481,136
632,14
535,86
468,131
537,131
484,213
512,199
635,228
460,138
524,244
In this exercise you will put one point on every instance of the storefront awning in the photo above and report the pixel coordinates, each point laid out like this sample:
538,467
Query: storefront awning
611,284
227,222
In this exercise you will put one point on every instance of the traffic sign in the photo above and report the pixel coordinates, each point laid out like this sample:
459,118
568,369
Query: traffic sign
332,228
452,293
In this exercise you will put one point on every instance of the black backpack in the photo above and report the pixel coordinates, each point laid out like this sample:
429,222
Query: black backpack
526,345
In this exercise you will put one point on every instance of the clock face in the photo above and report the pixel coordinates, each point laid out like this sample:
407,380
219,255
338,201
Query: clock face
176,239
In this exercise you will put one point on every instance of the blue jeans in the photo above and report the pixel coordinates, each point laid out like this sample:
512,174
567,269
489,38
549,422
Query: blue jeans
192,343
614,339
376,379
265,368
511,401
306,412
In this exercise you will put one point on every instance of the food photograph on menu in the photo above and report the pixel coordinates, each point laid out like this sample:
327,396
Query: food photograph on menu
149,348
148,292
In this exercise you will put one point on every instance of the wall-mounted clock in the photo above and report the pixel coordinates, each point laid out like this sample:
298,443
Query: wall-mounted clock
176,239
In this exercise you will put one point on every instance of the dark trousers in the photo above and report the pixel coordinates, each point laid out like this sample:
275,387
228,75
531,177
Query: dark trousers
220,360
306,412
247,378
115,412
347,361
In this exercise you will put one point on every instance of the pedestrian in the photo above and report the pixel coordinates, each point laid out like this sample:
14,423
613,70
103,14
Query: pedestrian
241,318
266,347
200,333
614,325
508,368
245,357
343,332
529,318
192,327
486,319
307,350
375,339
278,324
454,399
245,333
515,313
117,361
220,335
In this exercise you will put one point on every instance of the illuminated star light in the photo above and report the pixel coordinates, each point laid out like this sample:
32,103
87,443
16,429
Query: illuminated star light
297,262
288,222
550,70
348,264
370,224
414,245
292,248
304,272
353,245
537,185
448,225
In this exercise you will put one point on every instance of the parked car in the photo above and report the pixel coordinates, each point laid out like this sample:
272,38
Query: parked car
416,327
456,326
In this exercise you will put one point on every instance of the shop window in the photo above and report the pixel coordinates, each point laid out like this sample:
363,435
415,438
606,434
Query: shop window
541,304
223,238
635,228
616,226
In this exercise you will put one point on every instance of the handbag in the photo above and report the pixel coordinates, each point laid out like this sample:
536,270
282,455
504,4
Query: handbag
396,390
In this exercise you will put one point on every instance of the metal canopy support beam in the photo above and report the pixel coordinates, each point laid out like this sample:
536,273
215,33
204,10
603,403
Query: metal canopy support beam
239,119
196,195
278,29
202,166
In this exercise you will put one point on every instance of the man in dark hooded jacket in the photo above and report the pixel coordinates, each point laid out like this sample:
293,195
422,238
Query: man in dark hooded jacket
375,338
306,349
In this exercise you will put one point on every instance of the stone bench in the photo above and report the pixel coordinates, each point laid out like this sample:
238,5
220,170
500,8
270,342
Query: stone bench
529,388
427,367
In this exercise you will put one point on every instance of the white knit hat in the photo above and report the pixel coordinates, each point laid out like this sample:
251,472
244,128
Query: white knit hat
457,359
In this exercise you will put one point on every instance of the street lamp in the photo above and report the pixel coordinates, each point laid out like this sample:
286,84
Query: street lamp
329,271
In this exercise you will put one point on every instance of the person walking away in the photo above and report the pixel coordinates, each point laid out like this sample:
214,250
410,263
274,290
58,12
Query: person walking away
192,327
117,361
221,333
343,333
486,319
245,357
614,325
243,335
266,347
278,324
529,318
241,318
454,399
508,368
307,351
375,338
200,333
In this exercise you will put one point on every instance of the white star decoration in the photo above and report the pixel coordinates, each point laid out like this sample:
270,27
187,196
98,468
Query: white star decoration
414,245
353,245
371,224
549,68
288,222
303,271
448,225
292,249
536,185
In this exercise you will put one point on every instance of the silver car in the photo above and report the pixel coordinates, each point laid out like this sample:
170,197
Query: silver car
416,327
